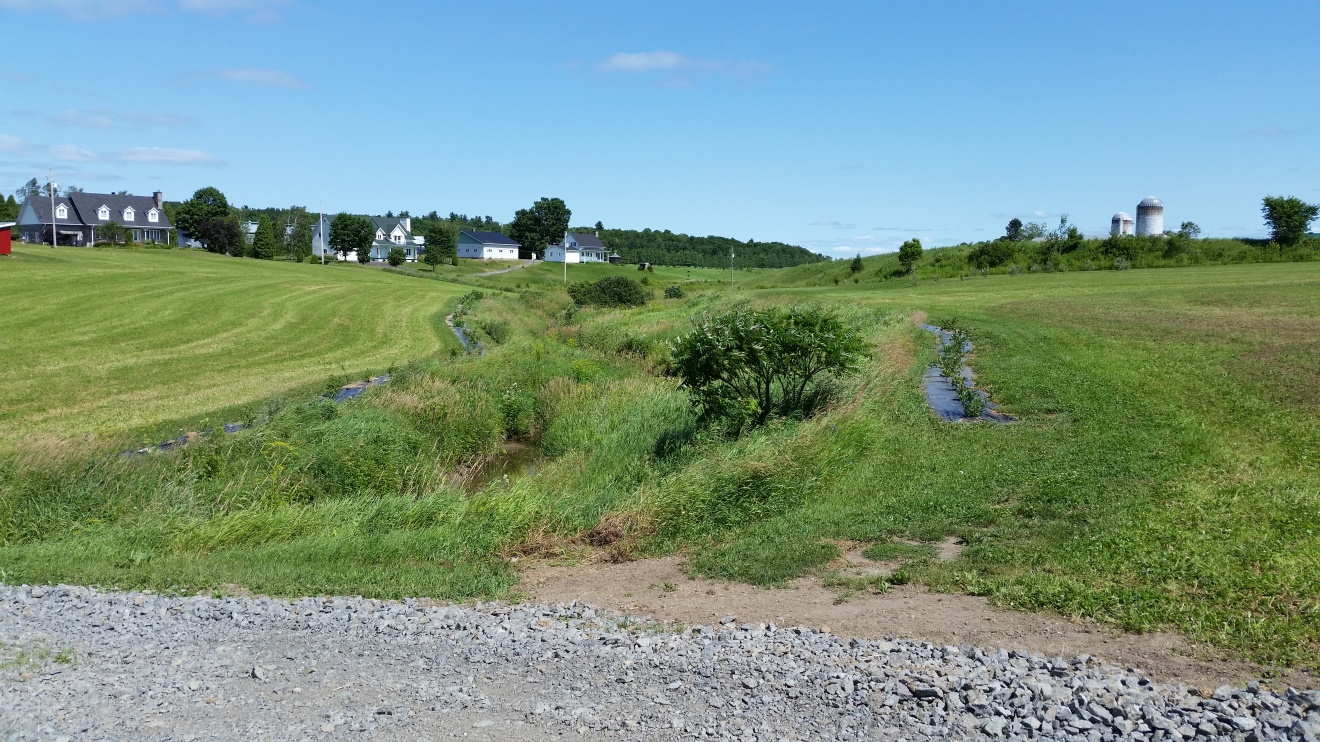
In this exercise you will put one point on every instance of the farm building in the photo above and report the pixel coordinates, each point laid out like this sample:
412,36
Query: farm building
486,245
78,216
578,248
5,237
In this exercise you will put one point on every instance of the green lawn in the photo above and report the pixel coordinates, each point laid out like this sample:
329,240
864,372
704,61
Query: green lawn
1163,473
112,341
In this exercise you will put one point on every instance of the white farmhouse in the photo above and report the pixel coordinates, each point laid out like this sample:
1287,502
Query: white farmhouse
391,232
486,245
578,248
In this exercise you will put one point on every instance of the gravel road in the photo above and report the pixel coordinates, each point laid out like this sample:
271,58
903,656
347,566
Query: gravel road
78,664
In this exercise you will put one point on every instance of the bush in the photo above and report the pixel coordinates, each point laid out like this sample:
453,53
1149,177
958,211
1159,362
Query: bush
396,256
496,329
747,365
674,292
611,291
990,254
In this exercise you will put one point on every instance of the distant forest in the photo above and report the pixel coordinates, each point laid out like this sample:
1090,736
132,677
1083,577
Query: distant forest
669,248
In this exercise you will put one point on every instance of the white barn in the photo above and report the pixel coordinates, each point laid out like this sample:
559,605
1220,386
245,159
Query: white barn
578,248
486,245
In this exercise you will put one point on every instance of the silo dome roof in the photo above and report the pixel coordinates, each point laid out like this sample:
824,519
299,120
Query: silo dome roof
1121,216
1151,201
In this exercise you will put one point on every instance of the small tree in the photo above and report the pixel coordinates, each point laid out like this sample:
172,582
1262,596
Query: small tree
432,257
113,232
1013,232
442,240
1033,230
1189,230
350,233
856,266
1289,218
222,236
396,256
909,253
264,243
744,366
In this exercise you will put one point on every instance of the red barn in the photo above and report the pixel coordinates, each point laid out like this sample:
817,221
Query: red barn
4,237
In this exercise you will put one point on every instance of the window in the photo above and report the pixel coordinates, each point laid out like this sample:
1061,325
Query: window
61,212
103,213
153,216
128,213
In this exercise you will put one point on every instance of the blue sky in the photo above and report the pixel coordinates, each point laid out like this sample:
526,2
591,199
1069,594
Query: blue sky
844,127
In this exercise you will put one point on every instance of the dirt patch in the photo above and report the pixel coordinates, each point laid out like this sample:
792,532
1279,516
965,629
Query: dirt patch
661,589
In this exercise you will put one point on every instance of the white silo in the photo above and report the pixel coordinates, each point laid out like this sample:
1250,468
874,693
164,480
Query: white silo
1150,217
1121,224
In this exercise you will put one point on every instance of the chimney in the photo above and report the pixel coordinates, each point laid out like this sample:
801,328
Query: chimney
160,199
407,224
598,233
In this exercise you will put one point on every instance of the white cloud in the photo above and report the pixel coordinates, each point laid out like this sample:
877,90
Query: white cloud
166,156
70,153
12,145
679,66
104,118
832,225
269,78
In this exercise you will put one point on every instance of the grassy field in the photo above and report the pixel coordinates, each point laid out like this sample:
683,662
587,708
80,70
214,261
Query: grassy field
1163,473
118,342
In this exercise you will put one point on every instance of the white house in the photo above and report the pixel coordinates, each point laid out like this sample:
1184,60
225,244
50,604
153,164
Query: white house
391,232
578,248
486,245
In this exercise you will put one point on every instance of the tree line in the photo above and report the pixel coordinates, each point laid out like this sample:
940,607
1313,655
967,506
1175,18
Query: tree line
664,247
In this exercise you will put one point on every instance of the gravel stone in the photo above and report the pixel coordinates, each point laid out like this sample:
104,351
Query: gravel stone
127,666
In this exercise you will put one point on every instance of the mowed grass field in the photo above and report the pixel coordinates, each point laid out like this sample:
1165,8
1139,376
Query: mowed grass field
1162,474
111,342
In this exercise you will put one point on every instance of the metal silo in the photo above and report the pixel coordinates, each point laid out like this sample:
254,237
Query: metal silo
1150,216
1121,224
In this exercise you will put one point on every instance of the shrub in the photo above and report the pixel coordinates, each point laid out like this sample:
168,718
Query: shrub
611,291
396,256
744,366
1122,264
496,329
518,407
674,292
990,254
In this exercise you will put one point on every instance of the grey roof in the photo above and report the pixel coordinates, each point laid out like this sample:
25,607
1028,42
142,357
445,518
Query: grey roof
86,205
387,224
1151,201
490,238
588,239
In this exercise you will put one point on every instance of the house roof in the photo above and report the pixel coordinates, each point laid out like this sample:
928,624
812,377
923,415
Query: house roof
490,238
387,224
84,207
588,239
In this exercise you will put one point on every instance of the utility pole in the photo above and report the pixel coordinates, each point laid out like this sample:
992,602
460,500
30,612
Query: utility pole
50,185
731,268
320,228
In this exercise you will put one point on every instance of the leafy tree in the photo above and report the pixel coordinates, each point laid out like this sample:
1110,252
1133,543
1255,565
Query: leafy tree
297,239
113,233
746,365
990,254
1289,218
1033,230
30,188
364,254
205,205
9,209
543,224
349,233
599,226
909,253
1013,232
264,243
441,242
856,266
70,190
611,291
1189,230
222,235
433,257
674,292
396,256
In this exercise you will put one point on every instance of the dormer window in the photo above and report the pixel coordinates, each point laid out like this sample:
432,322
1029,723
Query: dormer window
103,213
61,212
128,213
380,235
153,216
